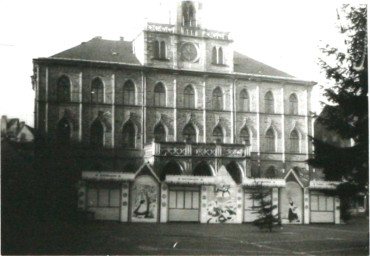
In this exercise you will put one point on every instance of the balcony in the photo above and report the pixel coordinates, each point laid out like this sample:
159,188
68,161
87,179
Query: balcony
209,150
189,31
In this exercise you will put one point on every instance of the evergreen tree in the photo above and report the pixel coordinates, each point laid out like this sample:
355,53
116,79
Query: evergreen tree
347,107
265,209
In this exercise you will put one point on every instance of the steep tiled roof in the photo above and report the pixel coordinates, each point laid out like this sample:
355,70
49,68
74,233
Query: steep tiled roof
244,64
98,49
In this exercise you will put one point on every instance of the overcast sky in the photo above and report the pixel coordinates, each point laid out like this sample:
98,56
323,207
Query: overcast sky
283,34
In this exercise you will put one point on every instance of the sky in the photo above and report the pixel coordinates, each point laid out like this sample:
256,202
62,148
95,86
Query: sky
284,34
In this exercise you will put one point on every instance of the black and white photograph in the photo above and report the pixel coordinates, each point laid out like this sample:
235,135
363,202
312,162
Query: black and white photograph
184,127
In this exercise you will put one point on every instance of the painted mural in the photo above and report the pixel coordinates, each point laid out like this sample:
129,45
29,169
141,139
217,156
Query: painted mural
222,200
144,206
291,202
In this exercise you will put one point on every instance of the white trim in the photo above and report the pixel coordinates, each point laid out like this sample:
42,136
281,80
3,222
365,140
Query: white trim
296,177
103,176
264,182
150,169
190,179
321,184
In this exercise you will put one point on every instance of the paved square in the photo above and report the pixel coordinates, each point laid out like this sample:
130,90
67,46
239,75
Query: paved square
187,238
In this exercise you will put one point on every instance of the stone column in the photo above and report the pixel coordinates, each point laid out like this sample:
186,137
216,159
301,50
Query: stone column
124,201
164,203
337,210
306,205
275,200
203,203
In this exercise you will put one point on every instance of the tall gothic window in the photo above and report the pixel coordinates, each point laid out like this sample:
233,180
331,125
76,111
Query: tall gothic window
293,104
270,140
97,91
163,54
244,101
217,100
128,135
159,95
189,133
129,93
188,14
220,56
64,89
218,134
189,97
156,49
96,134
214,55
294,141
159,133
244,136
63,132
269,103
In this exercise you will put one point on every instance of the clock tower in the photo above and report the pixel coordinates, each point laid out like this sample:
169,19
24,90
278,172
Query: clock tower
186,44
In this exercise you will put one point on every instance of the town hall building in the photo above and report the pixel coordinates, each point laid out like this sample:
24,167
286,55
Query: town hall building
177,126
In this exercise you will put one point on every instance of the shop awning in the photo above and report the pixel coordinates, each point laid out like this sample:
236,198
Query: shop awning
107,176
273,183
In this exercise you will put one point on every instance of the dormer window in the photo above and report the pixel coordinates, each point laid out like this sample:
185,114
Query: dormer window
188,14
217,56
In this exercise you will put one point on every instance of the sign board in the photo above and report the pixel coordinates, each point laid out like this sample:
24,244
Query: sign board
322,184
264,182
185,179
112,176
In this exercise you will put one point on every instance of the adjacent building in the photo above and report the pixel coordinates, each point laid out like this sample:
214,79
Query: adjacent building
177,126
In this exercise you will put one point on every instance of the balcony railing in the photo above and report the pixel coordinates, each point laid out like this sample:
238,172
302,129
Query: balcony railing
197,150
190,31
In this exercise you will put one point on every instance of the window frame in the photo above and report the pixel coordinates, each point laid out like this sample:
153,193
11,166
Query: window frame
189,98
160,97
129,93
97,94
217,99
269,103
64,89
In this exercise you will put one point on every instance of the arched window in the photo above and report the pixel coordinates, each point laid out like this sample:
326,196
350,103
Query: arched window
63,132
64,89
189,97
220,56
235,172
189,133
188,14
214,55
217,100
244,100
129,93
293,104
159,95
156,49
163,54
294,142
244,136
218,135
270,172
203,169
159,133
97,91
128,135
171,168
269,103
97,134
270,140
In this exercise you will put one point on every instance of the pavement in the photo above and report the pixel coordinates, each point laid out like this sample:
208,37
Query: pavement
103,237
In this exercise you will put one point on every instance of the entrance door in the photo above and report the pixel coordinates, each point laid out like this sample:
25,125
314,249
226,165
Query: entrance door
291,203
183,204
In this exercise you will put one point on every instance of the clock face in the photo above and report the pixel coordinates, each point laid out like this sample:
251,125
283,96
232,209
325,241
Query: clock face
189,52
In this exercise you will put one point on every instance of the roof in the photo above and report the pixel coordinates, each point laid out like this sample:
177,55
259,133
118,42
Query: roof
98,49
13,121
244,64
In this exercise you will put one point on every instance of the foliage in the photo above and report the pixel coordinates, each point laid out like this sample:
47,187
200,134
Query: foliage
347,108
265,209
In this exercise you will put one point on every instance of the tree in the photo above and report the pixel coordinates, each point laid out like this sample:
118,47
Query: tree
265,209
347,107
